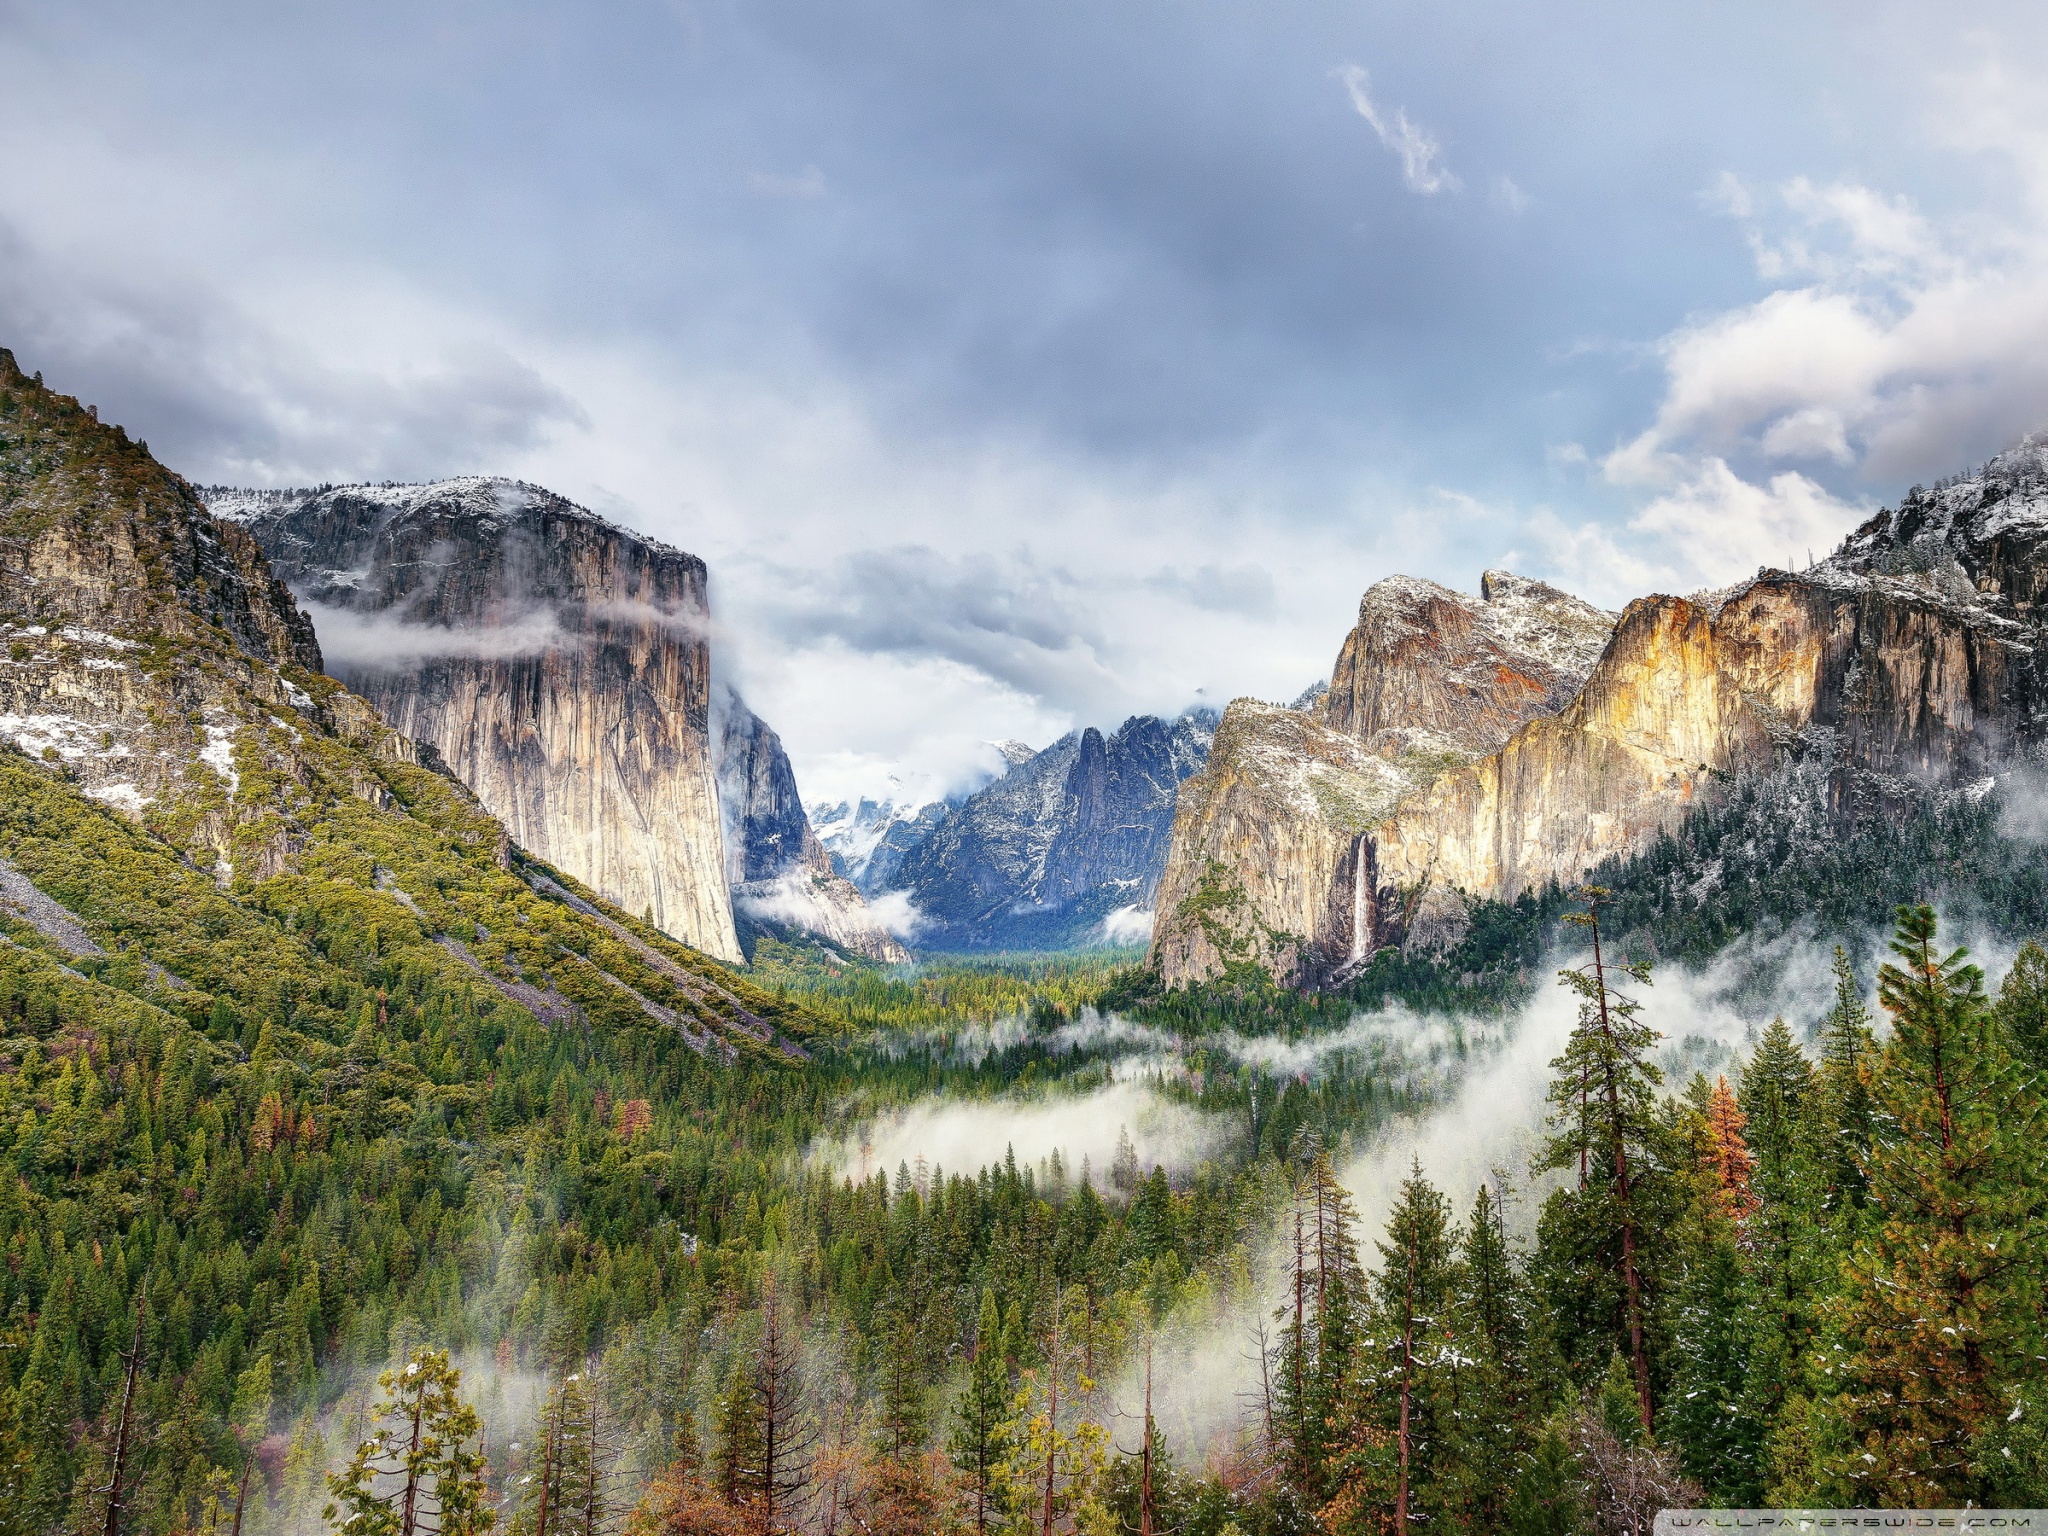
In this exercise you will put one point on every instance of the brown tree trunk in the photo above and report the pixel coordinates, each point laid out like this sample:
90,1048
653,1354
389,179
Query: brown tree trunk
1407,1393
547,1466
409,1513
1145,1469
120,1469
1052,1418
1630,1280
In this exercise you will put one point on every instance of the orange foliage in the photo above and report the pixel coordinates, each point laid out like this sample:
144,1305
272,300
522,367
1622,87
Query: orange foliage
1728,1155
277,1122
680,1503
634,1116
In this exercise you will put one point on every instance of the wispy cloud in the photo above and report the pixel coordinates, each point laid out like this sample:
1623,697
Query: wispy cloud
1420,154
807,183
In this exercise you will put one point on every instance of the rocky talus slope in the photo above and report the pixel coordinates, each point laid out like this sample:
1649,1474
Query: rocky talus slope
559,664
197,816
1046,854
780,874
1269,863
1907,662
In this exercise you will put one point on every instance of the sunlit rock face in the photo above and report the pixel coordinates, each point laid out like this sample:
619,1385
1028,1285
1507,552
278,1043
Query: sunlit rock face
558,663
1268,863
1910,657
781,877
1882,679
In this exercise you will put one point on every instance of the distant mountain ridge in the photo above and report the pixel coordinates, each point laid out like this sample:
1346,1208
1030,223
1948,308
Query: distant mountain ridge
1043,856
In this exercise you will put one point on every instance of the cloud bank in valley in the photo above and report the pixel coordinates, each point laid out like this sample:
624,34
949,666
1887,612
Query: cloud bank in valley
964,1136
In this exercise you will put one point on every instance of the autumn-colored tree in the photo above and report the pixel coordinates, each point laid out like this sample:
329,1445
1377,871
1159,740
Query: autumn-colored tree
681,1503
904,1495
1728,1160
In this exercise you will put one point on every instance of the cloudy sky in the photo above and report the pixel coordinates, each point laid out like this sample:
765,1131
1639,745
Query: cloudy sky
1028,363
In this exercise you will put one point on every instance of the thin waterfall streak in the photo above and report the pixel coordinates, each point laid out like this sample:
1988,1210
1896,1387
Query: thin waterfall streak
1358,901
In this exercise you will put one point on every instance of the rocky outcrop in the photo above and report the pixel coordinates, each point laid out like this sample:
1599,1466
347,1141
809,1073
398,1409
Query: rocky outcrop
1435,664
1270,864
1047,854
780,874
1261,839
137,629
1910,659
1881,679
557,663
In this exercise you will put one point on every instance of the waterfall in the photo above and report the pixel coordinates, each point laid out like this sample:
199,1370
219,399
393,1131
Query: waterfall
1358,901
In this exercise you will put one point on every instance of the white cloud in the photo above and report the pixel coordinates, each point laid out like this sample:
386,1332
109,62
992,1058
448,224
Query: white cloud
351,641
1724,527
1420,154
1128,925
1509,197
964,1136
895,911
1891,345
1889,340
807,183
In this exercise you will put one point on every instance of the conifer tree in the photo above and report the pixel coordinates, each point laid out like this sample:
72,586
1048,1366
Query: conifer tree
1549,1497
1710,1417
1787,1251
1730,1168
1402,1396
1052,1478
904,1417
980,1439
1604,1117
1847,1055
2023,1005
1489,1427
418,1473
1941,1310
737,1456
1319,1323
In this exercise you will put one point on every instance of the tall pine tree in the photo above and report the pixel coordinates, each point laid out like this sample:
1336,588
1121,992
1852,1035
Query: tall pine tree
1604,1118
1941,1311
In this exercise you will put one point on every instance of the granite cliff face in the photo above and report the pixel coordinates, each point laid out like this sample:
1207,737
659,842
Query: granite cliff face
558,664
780,874
1909,659
1065,848
1268,865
